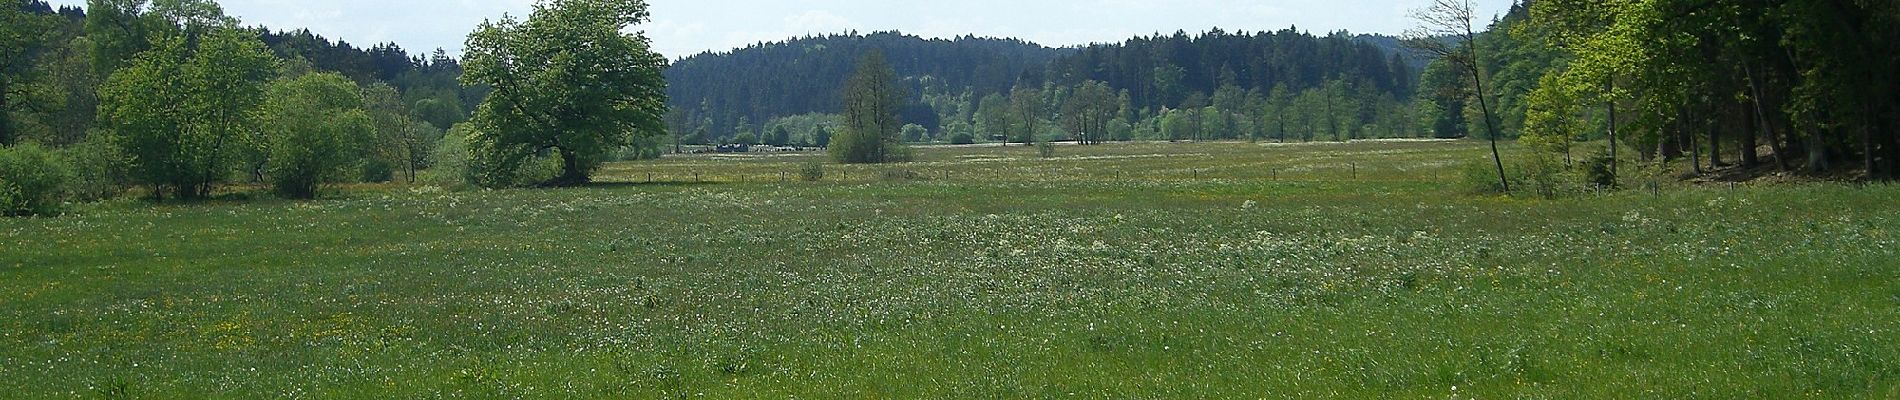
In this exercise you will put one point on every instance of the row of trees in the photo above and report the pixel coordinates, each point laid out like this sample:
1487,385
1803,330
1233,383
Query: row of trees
204,101
721,91
953,87
1791,85
176,97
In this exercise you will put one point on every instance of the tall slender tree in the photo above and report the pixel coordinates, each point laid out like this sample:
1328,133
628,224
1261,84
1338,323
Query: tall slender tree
872,133
1454,18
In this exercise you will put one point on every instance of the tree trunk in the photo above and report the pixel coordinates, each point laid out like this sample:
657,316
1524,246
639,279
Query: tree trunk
1817,153
1612,128
1867,152
572,174
1715,142
1750,157
1761,119
6,120
1685,131
1477,80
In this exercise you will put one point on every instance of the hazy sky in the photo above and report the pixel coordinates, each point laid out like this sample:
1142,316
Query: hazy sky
684,27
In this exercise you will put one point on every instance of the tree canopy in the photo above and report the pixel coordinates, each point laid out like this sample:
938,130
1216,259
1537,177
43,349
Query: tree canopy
568,79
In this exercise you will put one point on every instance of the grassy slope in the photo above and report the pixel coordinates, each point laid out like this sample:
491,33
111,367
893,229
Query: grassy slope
1111,272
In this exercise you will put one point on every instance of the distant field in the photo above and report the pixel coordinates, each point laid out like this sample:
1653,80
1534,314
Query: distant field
1211,270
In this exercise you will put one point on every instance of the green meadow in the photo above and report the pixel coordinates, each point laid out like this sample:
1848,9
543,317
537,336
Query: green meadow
1205,270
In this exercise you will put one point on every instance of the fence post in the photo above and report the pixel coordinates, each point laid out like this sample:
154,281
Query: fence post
696,177
1355,171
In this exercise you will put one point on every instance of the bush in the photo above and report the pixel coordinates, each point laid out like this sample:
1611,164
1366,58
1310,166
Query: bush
812,172
377,170
963,138
1480,177
317,130
448,163
33,180
1545,176
1046,149
643,148
99,168
1597,171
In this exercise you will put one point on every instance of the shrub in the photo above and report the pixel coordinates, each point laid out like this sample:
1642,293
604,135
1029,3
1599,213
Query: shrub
1545,176
99,168
1480,177
448,162
33,180
963,138
1046,149
376,170
812,172
1597,172
317,129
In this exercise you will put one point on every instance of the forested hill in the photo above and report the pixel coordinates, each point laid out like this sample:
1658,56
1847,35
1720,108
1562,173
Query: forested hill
716,90
721,94
1167,71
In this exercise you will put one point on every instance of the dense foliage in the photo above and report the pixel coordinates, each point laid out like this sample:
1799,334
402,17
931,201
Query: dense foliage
1236,85
167,94
315,127
33,180
566,80
717,90
1730,86
180,113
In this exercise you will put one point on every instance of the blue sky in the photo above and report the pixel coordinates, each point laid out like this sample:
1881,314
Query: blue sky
684,27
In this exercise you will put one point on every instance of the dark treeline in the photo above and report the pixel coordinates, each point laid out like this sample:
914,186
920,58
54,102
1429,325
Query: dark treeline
1217,85
722,91
1165,71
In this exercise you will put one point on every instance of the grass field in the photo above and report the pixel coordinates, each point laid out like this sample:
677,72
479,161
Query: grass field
1214,270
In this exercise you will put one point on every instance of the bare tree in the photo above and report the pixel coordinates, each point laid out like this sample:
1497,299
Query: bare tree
1453,19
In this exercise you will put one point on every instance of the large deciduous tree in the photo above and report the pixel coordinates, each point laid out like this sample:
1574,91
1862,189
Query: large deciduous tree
871,128
570,80
181,114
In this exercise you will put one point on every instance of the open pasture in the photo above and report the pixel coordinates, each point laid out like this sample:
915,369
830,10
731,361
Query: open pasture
1210,270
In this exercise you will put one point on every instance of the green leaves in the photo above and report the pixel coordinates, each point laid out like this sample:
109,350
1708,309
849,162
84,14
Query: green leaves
180,114
871,130
316,127
567,79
